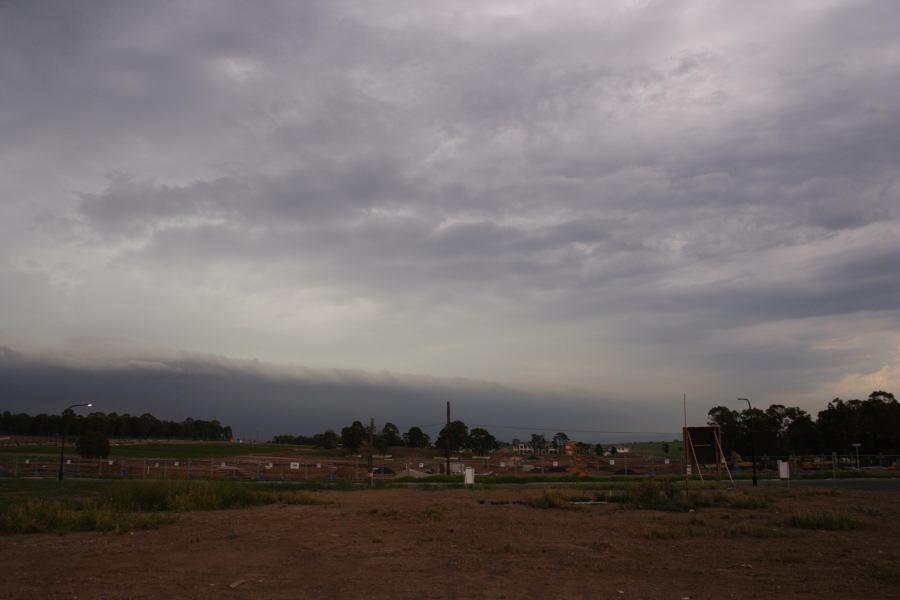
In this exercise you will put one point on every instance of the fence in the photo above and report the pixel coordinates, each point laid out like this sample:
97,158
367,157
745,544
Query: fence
355,468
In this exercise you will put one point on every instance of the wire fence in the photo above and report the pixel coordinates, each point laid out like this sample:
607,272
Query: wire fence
355,469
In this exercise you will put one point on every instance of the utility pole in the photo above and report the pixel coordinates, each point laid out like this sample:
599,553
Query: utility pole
449,437
371,448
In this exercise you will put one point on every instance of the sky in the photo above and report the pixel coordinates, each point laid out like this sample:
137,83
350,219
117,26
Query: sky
556,214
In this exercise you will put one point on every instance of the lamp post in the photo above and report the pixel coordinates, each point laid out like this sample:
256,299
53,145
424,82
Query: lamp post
752,435
857,445
62,437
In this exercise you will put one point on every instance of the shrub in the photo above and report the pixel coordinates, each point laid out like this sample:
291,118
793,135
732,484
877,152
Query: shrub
823,520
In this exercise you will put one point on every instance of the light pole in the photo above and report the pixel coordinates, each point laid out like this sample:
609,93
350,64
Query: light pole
752,435
857,445
62,437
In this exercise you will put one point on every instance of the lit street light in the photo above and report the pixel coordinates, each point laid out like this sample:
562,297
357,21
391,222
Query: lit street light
62,437
752,435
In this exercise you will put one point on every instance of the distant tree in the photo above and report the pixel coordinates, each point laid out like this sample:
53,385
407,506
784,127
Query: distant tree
481,441
598,449
354,436
613,451
391,435
538,442
459,437
559,440
665,448
283,439
582,448
92,444
416,438
327,439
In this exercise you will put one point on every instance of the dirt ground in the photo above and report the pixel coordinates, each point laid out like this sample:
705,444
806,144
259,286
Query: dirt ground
413,543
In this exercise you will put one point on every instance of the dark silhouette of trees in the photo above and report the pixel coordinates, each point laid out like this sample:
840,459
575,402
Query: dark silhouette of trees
459,438
481,441
416,438
113,425
874,423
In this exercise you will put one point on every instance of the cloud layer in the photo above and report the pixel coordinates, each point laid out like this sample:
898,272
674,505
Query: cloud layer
632,199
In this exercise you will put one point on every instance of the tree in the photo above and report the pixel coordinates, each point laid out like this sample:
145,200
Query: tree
598,449
665,448
613,451
391,435
416,438
481,441
459,437
92,444
559,440
538,442
327,439
353,436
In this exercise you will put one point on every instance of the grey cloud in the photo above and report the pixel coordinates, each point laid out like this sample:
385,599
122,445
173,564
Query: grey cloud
615,178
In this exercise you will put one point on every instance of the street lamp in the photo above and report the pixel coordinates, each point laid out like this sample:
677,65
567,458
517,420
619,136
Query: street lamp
62,437
752,435
857,445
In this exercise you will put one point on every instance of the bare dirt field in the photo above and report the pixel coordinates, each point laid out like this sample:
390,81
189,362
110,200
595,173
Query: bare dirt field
415,543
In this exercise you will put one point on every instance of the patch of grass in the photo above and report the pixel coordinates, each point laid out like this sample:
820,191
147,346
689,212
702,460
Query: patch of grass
55,516
125,505
823,520
549,499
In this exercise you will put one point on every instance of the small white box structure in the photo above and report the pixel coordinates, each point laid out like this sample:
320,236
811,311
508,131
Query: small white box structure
784,469
421,465
687,469
27,461
612,461
502,465
110,462
156,465
470,476
295,466
177,464
666,461
555,463
318,465
268,465
223,465
68,461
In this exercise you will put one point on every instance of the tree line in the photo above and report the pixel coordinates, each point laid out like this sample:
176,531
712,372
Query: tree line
874,423
113,425
356,435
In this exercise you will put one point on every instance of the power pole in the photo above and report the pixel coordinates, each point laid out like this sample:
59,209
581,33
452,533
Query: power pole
449,437
371,448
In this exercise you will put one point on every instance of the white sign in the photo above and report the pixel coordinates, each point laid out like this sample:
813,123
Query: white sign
555,463
27,461
784,469
666,461
421,465
177,463
157,465
110,462
268,465
318,465
502,464
470,476
612,461
295,466
68,461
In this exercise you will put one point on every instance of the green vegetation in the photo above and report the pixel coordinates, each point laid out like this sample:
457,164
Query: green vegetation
549,499
200,450
823,520
33,506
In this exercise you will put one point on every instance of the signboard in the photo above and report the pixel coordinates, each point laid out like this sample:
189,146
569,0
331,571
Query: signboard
784,469
268,465
421,465
703,442
177,464
295,466
555,463
612,461
666,461
470,476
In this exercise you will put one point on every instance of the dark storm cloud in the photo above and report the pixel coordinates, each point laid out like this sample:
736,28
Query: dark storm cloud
261,400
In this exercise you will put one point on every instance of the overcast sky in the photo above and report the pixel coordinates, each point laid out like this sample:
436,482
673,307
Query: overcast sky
597,203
